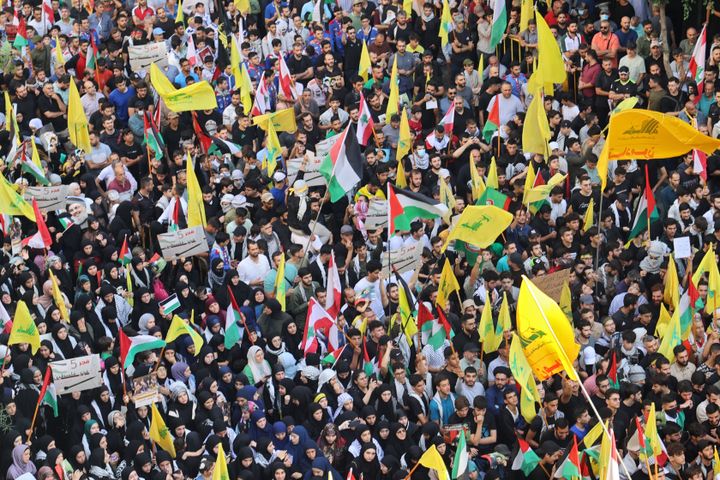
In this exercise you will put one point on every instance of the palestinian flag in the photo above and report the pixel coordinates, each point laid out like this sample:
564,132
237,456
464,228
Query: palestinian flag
365,124
131,346
41,239
124,257
460,463
92,55
21,35
203,138
48,395
65,222
334,356
435,332
369,366
318,321
492,124
404,206
342,167
612,372
153,139
233,330
32,165
646,213
570,467
526,459
494,197
224,146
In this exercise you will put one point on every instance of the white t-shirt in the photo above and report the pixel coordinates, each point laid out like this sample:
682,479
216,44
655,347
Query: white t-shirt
373,294
251,270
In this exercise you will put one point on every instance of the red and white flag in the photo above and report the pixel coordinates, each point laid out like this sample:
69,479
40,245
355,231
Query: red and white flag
48,11
696,69
191,54
334,290
262,99
700,164
448,121
287,84
318,324
41,239
365,124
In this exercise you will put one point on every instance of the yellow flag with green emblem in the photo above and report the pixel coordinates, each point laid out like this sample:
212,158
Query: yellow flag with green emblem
12,203
221,469
159,432
448,284
480,225
522,372
180,327
394,98
490,340
196,206
273,150
24,329
279,286
405,139
77,120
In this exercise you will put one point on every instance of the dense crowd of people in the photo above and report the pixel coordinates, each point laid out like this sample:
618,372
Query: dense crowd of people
360,398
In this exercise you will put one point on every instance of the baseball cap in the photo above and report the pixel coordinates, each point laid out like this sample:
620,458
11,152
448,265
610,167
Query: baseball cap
158,31
554,146
266,197
346,229
278,176
587,299
623,69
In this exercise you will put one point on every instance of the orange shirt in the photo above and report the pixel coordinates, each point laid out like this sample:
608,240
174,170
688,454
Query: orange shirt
606,43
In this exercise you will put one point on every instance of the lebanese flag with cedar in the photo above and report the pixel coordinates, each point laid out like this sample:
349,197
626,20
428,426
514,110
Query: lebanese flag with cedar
700,164
333,288
287,84
365,123
696,68
41,239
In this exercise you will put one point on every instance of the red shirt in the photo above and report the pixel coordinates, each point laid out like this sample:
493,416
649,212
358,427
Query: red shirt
141,13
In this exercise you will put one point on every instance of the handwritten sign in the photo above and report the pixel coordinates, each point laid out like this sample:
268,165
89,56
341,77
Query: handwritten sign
48,199
312,176
323,148
377,215
404,259
552,283
142,56
183,243
76,374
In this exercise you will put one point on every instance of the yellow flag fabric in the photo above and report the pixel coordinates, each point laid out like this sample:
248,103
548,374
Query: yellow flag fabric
283,120
159,432
529,182
279,286
476,181
593,435
77,120
547,336
58,298
196,207
8,111
273,150
522,372
541,192
221,469
407,7
566,300
526,13
671,294
394,98
24,329
671,336
651,433
551,66
716,462
448,284
445,20
589,218
235,61
12,203
708,265
365,62
447,198
180,17
536,130
59,59
480,225
663,321
242,5
405,139
626,104
179,327
491,340
649,135
246,90
432,459
606,448
198,96
492,175
504,320
407,322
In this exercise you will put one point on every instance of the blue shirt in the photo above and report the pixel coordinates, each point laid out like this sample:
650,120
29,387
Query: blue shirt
448,408
180,78
122,102
625,37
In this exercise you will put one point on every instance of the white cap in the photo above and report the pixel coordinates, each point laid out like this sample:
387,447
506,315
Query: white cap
443,173
554,146
36,124
278,177
589,356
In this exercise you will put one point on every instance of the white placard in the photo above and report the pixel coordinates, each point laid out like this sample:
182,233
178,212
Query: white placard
681,247
183,243
323,148
48,199
404,259
377,215
312,177
142,56
76,374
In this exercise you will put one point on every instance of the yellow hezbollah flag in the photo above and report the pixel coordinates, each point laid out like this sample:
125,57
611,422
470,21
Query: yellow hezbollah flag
365,62
709,265
448,284
491,340
651,434
12,203
179,327
566,300
663,320
283,120
504,320
536,130
279,286
57,296
551,66
648,135
24,329
480,225
432,459
246,89
522,372
671,336
180,17
671,294
593,435
547,336
196,207
394,99
407,322
159,432
526,13
407,7
541,192
77,121
221,470
404,139
273,151
59,59
476,181
243,6
492,175
588,220
198,96
235,61
446,23
447,198
529,182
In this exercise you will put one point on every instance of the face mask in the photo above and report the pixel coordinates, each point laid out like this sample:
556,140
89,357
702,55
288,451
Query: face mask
581,12
604,16
420,152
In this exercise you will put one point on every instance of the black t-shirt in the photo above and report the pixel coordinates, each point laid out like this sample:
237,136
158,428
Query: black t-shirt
579,202
464,38
298,66
46,104
244,137
604,82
